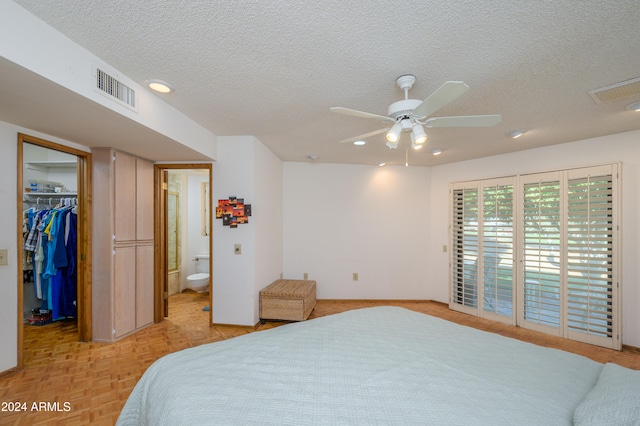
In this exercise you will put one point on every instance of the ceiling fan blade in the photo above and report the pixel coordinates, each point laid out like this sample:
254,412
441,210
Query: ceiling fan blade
464,121
446,93
366,135
361,114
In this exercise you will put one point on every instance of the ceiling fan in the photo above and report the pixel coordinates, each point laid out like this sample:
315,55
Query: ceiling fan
413,115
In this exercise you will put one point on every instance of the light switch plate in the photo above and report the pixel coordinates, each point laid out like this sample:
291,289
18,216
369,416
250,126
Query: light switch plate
4,257
237,249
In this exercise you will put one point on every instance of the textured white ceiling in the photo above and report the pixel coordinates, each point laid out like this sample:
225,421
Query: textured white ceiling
273,68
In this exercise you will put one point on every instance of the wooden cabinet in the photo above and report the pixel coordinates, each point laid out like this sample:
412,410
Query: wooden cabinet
123,245
124,288
124,196
144,200
144,284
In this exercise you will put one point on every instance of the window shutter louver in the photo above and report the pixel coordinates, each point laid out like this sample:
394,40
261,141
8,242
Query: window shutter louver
590,253
465,248
497,250
541,253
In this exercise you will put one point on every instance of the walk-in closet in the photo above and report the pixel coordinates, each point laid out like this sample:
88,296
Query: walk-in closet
50,235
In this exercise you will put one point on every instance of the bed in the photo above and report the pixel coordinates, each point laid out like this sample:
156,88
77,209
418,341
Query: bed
382,365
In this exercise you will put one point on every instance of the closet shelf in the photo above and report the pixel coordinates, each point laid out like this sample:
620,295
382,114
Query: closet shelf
51,194
40,165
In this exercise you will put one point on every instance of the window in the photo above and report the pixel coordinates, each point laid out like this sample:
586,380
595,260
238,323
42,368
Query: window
482,248
590,256
497,249
540,251
465,248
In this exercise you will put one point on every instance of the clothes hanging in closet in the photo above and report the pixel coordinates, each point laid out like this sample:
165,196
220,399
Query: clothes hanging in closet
51,248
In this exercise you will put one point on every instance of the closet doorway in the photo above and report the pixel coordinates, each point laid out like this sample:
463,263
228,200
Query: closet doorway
183,223
53,178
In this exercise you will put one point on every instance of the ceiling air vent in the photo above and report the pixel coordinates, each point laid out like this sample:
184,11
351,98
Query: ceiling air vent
616,91
109,85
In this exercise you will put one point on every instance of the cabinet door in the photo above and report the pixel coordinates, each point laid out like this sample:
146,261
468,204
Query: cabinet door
144,200
125,290
125,197
144,285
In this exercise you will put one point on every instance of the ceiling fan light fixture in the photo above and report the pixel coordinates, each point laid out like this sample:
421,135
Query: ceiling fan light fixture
414,115
394,133
634,106
515,134
416,146
418,136
159,86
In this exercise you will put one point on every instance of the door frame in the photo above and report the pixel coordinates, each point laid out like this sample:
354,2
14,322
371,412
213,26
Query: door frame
160,235
84,240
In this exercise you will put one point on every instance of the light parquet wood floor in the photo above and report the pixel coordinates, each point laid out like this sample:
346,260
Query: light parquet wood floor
95,379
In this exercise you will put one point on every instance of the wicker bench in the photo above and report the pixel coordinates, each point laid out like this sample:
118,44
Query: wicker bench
291,300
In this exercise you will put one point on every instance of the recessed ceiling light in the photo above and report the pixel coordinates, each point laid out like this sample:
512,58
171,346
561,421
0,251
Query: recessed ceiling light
436,151
159,86
634,106
359,143
381,164
515,134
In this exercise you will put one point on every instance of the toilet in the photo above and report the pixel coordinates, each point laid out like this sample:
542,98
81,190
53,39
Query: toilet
200,280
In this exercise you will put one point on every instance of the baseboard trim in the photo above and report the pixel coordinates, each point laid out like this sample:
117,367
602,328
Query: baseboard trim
630,348
9,372
248,327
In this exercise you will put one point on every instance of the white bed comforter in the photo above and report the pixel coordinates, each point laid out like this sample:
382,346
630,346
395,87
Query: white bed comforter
383,365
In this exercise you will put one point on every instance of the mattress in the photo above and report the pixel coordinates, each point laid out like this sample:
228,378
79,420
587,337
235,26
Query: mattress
382,365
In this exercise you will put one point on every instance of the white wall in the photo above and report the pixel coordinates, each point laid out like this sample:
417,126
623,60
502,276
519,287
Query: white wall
623,147
344,219
232,284
267,216
246,169
8,232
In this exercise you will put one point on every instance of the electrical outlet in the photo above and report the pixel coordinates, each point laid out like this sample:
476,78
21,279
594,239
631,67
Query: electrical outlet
4,257
355,276
444,248
237,249
306,276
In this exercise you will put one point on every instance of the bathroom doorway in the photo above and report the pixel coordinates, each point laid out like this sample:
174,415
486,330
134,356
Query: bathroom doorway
183,232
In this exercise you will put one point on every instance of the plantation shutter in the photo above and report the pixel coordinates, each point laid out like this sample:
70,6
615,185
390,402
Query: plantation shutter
464,251
540,288
497,250
590,256
542,254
